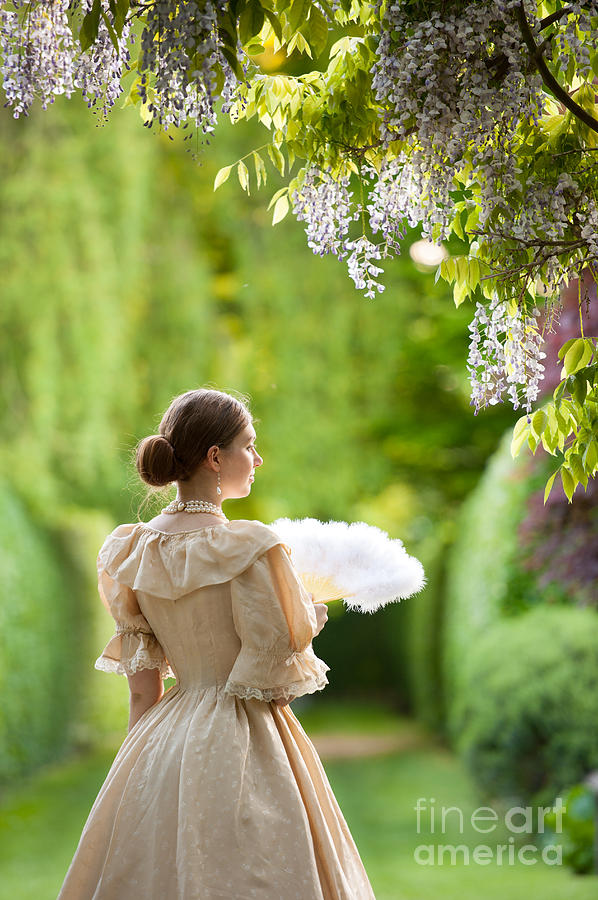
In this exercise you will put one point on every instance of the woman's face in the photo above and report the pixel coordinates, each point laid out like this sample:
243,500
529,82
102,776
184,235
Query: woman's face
237,464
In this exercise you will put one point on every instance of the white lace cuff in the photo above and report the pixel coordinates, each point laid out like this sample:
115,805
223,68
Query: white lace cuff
130,650
264,675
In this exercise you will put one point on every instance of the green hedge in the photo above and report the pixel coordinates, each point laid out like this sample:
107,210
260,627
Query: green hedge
38,643
520,657
481,561
52,626
527,712
423,648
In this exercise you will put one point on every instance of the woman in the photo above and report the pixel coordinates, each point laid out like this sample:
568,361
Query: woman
216,793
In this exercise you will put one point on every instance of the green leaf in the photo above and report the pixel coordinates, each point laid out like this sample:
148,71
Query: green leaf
222,176
89,28
447,268
318,30
260,168
590,456
574,356
278,194
457,227
281,208
580,390
251,21
275,23
243,175
291,155
568,483
110,29
520,436
549,442
566,346
460,292
233,61
532,442
122,8
276,157
472,219
473,273
558,394
298,13
539,420
578,469
549,484
132,97
521,425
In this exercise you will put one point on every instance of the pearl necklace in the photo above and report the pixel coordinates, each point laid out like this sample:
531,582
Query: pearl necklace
194,506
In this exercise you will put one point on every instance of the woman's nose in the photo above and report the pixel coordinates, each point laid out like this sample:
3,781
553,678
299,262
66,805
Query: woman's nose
258,459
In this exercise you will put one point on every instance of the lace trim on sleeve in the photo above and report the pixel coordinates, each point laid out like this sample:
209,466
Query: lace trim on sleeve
129,667
309,685
288,692
131,649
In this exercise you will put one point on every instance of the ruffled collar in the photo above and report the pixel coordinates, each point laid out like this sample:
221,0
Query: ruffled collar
171,564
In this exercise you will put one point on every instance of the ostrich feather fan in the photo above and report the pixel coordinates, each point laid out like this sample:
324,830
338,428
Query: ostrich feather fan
356,562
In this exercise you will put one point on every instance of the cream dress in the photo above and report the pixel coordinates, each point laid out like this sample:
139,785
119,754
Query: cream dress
216,793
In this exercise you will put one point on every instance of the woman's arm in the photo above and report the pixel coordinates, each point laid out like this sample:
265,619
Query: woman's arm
146,688
322,617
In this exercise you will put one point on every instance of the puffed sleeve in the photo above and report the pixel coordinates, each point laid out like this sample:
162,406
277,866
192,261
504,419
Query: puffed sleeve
275,620
133,646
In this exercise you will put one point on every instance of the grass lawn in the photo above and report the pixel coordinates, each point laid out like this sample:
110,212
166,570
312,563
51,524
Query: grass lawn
41,820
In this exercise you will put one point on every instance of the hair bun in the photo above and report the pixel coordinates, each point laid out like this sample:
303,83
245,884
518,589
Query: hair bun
156,461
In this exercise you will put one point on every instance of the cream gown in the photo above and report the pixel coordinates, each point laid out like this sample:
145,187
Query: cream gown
216,793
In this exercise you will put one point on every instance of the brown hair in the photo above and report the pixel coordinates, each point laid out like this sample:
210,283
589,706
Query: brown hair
194,422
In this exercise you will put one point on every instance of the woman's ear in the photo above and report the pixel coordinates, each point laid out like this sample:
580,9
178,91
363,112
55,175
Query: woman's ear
213,457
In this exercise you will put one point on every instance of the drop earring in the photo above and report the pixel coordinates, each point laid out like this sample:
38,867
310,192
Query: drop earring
218,488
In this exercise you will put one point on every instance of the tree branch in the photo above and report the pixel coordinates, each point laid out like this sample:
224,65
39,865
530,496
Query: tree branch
548,78
554,17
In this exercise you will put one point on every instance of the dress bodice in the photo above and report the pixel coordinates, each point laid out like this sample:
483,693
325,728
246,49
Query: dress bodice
219,606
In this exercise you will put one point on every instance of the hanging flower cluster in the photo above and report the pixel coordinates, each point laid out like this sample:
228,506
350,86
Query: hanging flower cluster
181,67
452,85
505,355
324,204
181,50
328,208
37,52
100,68
41,57
571,41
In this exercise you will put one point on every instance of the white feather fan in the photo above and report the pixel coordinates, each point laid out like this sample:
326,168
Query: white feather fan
356,562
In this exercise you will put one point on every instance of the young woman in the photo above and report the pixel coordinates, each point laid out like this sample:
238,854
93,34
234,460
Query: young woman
216,793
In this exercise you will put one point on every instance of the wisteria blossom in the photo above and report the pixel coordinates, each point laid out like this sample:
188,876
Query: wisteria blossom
453,110
98,71
37,53
505,355
361,268
324,204
180,47
181,66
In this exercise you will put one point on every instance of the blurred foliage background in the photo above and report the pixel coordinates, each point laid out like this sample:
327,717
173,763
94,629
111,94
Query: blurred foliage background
125,281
